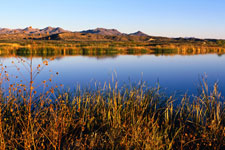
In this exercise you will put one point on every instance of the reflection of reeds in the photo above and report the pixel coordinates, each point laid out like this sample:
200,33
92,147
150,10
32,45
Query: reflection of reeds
104,49
112,118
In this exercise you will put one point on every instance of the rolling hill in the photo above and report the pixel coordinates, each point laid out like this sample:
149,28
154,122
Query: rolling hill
139,33
98,34
103,31
30,30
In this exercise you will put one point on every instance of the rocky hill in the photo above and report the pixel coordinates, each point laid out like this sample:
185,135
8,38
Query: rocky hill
103,31
30,30
139,33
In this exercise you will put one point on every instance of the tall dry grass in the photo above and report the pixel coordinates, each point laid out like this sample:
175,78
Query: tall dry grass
108,118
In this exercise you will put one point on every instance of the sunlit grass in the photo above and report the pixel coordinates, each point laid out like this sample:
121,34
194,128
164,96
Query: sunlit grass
111,118
55,48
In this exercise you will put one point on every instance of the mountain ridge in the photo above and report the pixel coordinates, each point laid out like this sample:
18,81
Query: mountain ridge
102,31
98,34
54,30
139,33
31,30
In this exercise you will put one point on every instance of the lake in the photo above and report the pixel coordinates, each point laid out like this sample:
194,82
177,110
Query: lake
180,73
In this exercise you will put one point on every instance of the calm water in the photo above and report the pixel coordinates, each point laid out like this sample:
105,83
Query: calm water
174,73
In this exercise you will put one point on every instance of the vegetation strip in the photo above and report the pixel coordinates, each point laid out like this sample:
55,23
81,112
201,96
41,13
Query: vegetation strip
111,118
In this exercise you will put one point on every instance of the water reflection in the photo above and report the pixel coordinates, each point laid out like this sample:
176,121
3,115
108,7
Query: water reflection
109,52
174,69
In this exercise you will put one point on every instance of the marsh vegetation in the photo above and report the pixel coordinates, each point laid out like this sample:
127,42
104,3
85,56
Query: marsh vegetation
105,116
111,118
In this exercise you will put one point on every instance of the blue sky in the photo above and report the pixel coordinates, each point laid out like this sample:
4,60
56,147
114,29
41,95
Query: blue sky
172,18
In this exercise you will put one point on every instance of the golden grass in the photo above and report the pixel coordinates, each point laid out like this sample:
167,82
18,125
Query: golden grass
111,118
103,48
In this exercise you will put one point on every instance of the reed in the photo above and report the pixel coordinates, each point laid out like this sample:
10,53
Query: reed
111,118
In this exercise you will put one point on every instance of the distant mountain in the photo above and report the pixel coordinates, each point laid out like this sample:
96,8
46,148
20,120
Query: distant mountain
30,30
139,33
81,36
5,31
52,30
98,34
102,31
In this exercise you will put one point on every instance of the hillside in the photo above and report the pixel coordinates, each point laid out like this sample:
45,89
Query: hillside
76,36
102,31
30,30
99,34
139,33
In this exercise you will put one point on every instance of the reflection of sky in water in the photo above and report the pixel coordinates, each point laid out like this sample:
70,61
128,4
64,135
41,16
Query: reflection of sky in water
172,72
